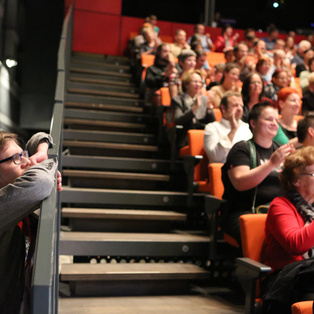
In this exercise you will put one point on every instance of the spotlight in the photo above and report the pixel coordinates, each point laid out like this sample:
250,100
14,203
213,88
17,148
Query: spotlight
275,5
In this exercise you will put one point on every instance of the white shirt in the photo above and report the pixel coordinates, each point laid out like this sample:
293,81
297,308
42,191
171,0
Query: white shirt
216,141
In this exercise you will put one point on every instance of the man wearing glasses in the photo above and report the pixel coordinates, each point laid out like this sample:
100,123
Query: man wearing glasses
24,183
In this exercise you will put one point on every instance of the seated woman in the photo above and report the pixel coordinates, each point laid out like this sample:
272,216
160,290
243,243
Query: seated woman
289,230
252,93
262,67
226,39
304,76
187,61
246,186
289,103
280,79
191,109
230,82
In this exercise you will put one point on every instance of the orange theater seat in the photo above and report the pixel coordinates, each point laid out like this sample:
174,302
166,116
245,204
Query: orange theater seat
214,58
304,307
147,60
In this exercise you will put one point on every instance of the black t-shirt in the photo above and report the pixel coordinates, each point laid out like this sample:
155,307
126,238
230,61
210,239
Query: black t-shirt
267,190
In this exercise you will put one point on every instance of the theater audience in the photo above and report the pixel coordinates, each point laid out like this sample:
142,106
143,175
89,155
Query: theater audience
206,42
289,103
230,81
241,53
229,54
279,80
262,67
289,235
157,75
290,48
260,49
308,96
304,75
308,54
202,64
226,39
186,62
150,44
180,43
252,93
191,109
271,38
220,136
305,130
216,75
248,186
304,45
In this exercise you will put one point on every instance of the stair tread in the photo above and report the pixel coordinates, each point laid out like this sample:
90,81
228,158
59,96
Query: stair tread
105,123
102,92
99,71
110,145
131,237
115,175
99,79
169,271
72,104
134,214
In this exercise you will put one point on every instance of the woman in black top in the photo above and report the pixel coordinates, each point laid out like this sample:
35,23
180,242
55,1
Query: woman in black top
242,181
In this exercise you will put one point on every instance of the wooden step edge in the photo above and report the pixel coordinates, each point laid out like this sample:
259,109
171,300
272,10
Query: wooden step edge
133,147
132,237
100,64
102,81
114,175
130,214
73,104
102,72
102,93
125,271
126,125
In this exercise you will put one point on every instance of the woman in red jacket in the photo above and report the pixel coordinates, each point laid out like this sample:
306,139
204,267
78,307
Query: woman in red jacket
289,228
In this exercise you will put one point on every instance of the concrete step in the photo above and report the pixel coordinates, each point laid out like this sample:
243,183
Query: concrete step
100,79
100,57
117,180
97,88
110,149
114,163
166,200
133,244
90,69
130,279
216,300
107,136
105,100
121,220
101,64
106,116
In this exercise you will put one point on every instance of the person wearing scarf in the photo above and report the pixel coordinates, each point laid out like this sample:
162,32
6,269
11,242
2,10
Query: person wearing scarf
289,232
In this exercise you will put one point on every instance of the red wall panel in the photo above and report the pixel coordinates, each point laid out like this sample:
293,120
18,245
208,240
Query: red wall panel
98,33
100,6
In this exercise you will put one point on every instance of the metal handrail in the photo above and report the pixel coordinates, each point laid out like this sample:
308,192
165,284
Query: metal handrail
46,257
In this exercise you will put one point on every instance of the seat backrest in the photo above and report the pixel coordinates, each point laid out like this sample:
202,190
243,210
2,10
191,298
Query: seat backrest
147,60
196,144
214,58
218,114
215,181
165,96
253,235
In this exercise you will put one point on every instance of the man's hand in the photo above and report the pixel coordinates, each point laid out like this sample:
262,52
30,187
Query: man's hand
41,153
59,181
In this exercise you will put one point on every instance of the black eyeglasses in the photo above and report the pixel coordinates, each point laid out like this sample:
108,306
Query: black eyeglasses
17,158
307,174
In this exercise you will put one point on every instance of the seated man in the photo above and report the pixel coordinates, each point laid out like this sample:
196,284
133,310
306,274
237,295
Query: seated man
180,43
207,44
308,96
24,183
157,75
221,136
305,130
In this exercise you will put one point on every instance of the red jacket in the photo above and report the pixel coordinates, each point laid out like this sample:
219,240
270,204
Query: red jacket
286,237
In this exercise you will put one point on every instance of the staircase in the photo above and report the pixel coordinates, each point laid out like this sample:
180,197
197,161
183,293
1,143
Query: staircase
125,218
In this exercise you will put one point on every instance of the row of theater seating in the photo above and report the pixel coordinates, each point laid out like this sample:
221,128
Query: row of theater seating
207,178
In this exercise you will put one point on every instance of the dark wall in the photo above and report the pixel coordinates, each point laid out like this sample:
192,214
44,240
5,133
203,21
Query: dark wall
38,60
